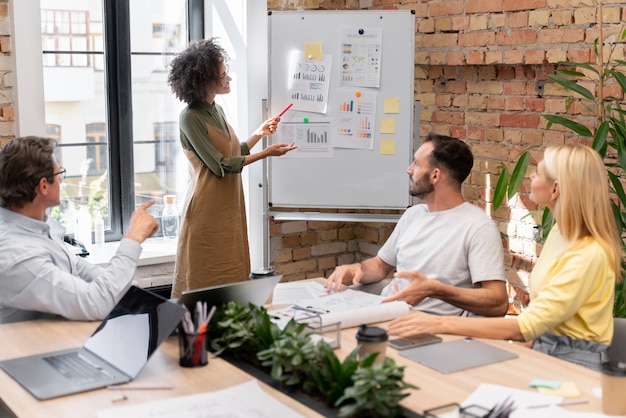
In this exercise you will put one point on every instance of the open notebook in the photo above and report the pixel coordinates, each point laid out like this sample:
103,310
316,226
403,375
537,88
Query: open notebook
115,353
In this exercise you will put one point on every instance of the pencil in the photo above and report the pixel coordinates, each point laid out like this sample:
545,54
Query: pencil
137,387
564,403
285,110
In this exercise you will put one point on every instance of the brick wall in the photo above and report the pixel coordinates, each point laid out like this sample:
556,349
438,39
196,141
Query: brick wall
481,74
7,113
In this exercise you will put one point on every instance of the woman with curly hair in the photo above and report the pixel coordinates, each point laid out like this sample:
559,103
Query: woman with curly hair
213,243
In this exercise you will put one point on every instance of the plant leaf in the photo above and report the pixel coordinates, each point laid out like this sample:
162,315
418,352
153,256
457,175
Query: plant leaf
572,73
620,78
580,129
599,139
500,189
547,221
617,188
518,174
572,86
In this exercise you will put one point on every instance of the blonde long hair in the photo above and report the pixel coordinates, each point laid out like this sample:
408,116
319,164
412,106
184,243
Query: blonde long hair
583,207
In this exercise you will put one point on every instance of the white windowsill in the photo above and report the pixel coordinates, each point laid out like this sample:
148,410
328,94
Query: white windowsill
154,251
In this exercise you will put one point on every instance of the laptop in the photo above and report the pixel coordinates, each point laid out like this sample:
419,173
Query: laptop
255,291
115,353
461,354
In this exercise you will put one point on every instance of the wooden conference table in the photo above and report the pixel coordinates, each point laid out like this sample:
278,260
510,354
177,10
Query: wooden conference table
435,389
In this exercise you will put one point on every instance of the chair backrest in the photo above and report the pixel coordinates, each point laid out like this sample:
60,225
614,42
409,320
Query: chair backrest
617,349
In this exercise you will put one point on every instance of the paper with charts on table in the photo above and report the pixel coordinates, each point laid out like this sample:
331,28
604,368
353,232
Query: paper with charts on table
240,401
350,307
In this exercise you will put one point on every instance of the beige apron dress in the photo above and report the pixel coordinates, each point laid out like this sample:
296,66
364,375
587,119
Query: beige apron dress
213,243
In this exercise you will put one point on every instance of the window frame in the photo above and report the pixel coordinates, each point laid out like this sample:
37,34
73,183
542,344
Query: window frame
30,109
29,105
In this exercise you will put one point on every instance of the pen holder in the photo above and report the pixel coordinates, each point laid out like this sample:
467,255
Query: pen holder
193,352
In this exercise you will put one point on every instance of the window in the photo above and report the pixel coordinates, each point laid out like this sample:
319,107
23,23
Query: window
108,104
91,96
65,30
97,155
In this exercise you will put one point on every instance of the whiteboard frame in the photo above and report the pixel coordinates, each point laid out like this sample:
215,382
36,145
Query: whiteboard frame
353,179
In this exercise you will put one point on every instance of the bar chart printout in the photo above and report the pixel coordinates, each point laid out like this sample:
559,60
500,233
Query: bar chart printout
355,122
311,137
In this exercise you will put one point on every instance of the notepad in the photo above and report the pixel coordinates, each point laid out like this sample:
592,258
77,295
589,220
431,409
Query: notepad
461,354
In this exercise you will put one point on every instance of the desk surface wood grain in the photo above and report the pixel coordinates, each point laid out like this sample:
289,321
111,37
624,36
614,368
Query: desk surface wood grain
435,389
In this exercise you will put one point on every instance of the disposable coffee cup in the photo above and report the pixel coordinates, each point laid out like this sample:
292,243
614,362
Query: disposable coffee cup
372,340
613,381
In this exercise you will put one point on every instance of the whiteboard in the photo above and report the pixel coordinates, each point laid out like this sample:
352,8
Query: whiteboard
348,172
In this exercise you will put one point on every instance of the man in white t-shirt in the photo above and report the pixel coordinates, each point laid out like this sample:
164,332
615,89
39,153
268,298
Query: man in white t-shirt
447,252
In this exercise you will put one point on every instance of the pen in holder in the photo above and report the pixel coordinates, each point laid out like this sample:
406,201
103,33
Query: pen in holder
193,352
192,337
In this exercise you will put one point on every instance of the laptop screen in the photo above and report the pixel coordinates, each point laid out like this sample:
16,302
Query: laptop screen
255,291
134,329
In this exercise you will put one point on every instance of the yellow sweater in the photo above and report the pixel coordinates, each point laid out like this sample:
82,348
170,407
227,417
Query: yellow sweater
571,291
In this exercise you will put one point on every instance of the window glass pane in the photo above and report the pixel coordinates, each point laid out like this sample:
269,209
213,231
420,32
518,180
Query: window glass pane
75,106
158,32
158,25
160,166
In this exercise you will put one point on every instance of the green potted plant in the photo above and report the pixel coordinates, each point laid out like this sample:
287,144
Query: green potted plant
608,134
299,365
376,391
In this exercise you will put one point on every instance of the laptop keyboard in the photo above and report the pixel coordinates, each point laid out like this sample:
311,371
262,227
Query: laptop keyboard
77,368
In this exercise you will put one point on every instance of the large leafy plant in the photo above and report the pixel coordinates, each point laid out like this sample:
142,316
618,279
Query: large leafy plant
608,134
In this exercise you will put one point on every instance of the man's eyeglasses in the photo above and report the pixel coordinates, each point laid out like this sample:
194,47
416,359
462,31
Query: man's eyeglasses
224,75
60,173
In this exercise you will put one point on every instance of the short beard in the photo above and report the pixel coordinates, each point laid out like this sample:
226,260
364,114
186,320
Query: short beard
422,188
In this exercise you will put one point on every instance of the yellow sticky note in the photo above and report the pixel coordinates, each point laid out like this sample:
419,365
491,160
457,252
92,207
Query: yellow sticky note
313,51
388,146
392,105
566,390
387,126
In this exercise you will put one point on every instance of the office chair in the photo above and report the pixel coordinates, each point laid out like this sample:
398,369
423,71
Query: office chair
617,349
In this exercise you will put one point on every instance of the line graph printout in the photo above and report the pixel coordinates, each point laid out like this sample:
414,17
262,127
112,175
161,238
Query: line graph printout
309,83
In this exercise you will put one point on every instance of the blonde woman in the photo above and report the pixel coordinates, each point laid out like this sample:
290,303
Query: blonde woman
572,285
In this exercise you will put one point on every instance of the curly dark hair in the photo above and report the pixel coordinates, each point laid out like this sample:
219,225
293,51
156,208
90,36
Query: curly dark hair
23,163
452,155
195,69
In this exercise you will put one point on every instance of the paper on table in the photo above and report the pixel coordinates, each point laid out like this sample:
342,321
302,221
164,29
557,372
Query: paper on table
488,395
367,314
294,292
353,308
244,400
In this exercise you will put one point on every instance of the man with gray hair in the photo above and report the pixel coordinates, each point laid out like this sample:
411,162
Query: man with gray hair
38,274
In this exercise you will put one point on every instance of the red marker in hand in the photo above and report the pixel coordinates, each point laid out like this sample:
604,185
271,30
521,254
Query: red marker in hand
284,111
